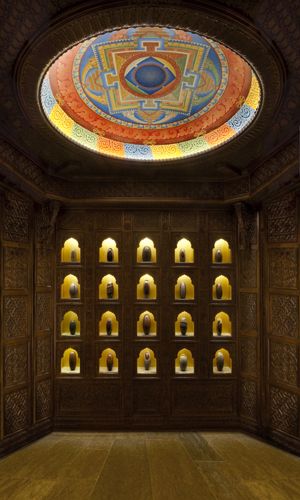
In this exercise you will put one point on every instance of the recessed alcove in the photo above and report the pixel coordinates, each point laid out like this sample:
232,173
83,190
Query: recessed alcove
108,362
70,252
184,288
146,251
184,362
184,252
146,288
108,325
146,325
221,253
222,325
70,288
70,325
70,362
221,289
184,325
146,362
108,251
108,288
222,362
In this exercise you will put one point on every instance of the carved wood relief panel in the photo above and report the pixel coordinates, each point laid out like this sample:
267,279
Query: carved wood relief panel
15,316
284,363
16,411
283,266
248,399
284,315
284,411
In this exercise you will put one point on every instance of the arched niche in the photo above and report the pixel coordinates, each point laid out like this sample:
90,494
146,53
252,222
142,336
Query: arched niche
190,368
70,288
70,325
221,253
184,320
114,326
152,328
109,252
184,252
222,325
146,251
70,252
105,366
184,288
141,288
108,288
141,369
65,362
222,284
227,363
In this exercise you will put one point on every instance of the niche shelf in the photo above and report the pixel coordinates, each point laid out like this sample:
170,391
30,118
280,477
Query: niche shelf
146,325
148,366
108,325
222,362
184,288
221,289
70,288
70,252
184,252
184,362
222,325
70,325
70,362
221,253
109,252
184,325
108,362
146,288
146,252
108,288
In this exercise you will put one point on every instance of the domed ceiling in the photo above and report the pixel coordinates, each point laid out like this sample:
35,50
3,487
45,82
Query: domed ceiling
150,93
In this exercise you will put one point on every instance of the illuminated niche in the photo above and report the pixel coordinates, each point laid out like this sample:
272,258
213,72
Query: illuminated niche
222,362
108,288
221,289
70,362
184,362
222,325
70,325
146,251
70,288
146,362
109,252
108,325
146,288
184,288
108,362
221,253
146,325
184,252
70,252
184,325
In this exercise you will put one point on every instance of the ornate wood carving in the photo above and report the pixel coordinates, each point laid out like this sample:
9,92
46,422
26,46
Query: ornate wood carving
16,215
284,363
284,314
248,269
16,406
15,316
248,312
44,311
282,219
284,411
15,364
43,399
43,355
248,399
248,355
283,267
15,268
44,267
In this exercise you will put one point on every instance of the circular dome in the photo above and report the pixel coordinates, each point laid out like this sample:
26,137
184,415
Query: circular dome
150,93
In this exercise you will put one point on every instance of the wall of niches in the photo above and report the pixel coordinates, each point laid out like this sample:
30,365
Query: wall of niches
25,344
281,417
89,394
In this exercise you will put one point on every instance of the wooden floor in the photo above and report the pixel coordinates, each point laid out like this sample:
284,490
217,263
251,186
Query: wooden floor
150,466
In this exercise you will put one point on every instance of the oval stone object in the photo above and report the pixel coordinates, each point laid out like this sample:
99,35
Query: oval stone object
219,327
146,254
108,326
147,360
183,361
73,290
72,327
110,255
219,291
183,325
146,288
146,324
218,256
182,257
73,256
109,362
182,290
72,360
220,361
110,290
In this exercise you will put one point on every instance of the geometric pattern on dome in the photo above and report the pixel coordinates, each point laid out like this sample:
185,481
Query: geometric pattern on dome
150,93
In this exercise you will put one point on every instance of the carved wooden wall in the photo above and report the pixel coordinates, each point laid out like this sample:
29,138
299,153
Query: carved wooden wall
249,317
281,296
20,397
90,399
